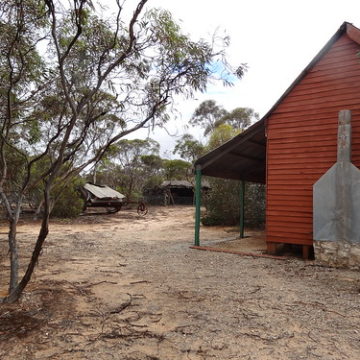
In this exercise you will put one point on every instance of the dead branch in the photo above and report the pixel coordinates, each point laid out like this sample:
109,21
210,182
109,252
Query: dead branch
123,306
98,283
139,282
321,306
132,334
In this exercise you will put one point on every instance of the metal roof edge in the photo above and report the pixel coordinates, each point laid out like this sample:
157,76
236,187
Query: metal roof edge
352,32
210,157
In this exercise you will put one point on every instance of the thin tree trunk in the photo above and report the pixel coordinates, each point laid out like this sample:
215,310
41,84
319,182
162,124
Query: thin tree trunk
13,218
14,255
15,293
130,189
172,201
38,209
94,175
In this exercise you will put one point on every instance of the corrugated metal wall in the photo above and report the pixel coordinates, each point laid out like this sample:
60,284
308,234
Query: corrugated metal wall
302,136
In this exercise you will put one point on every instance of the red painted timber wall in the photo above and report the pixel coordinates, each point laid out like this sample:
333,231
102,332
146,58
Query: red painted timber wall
302,140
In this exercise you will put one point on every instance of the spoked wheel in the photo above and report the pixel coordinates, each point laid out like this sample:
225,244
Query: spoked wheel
142,209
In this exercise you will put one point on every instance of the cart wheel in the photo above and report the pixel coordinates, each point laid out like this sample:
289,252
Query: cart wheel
113,209
142,209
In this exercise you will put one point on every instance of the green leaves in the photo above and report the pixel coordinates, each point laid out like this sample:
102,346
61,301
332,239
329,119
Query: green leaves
239,118
74,82
210,115
206,115
188,148
34,132
220,135
176,169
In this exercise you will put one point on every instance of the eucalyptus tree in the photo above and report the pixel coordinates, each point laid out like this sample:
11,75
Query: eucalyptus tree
132,157
177,169
207,115
74,82
239,118
188,148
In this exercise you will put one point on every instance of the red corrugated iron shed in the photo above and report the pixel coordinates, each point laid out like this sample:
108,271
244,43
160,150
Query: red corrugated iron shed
296,141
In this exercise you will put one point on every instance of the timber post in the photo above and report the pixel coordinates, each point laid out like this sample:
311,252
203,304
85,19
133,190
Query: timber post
242,208
197,204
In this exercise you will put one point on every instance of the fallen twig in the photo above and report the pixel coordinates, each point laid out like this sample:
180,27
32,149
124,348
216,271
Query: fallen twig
258,288
123,306
270,337
139,282
321,306
313,339
98,283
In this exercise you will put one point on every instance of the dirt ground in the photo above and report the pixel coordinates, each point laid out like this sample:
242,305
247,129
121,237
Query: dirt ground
130,288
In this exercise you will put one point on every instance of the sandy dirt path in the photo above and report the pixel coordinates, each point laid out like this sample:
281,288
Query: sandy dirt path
130,288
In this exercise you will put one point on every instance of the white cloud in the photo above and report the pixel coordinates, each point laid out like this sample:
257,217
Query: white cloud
277,38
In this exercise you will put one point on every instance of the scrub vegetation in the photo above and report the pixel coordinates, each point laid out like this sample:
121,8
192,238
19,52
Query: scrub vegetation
75,82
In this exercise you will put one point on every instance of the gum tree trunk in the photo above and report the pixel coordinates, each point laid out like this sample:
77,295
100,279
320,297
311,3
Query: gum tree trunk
16,288
14,256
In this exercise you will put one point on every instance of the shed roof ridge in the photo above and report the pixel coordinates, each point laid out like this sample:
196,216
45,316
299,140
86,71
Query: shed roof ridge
352,32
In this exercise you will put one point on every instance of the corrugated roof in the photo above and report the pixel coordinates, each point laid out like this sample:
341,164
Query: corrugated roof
183,183
244,156
103,191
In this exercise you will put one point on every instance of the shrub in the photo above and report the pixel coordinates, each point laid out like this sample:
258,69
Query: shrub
69,203
255,205
223,204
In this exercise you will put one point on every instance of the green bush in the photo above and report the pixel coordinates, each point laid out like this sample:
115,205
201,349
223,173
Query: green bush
212,220
255,205
69,203
222,204
136,196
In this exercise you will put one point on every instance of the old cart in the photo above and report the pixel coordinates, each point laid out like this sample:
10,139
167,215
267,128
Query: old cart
105,197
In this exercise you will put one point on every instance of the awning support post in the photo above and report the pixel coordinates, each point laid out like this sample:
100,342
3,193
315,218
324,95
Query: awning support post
197,204
242,208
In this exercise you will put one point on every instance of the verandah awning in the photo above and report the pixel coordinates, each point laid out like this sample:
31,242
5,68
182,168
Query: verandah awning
241,158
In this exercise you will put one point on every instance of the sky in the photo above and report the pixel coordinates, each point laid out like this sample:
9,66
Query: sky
276,38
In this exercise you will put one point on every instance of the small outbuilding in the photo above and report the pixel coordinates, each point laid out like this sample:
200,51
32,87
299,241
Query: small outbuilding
295,143
174,192
180,192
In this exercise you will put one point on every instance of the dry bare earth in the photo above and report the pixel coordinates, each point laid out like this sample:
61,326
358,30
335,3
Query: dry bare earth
125,287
